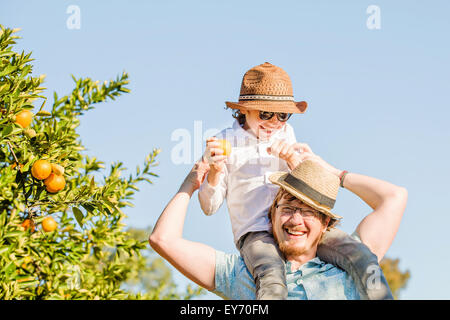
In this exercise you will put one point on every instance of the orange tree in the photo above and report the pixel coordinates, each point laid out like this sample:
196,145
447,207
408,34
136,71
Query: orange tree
396,278
61,229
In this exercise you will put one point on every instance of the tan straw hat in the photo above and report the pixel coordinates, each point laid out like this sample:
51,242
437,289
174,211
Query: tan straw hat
268,88
312,184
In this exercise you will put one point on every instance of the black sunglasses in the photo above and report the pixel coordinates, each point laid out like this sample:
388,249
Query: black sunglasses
282,117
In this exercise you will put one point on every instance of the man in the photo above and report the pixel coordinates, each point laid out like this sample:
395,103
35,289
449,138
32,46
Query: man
300,216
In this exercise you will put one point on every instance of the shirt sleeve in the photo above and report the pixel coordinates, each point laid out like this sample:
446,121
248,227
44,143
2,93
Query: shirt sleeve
224,274
356,236
211,198
290,134
233,281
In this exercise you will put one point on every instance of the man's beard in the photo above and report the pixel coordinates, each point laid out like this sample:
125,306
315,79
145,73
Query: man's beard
289,248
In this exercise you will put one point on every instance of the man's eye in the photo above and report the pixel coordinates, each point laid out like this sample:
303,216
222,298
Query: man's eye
288,210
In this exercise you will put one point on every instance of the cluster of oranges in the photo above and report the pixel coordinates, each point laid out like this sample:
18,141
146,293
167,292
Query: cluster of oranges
48,224
51,173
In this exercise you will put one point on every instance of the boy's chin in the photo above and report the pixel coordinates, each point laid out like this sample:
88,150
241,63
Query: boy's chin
262,134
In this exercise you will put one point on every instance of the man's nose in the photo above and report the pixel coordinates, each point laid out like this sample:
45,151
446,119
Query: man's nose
297,218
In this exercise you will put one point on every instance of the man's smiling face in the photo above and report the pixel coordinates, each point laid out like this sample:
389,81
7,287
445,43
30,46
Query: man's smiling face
297,233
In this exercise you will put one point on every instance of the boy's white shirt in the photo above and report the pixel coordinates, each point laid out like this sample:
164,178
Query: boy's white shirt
245,181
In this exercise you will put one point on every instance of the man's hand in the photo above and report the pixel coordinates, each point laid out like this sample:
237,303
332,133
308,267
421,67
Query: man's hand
193,259
196,176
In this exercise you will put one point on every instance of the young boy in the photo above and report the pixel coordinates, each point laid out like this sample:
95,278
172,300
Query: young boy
262,143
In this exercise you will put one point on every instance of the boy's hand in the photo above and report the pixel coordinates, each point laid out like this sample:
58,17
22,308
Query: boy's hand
307,154
287,152
216,160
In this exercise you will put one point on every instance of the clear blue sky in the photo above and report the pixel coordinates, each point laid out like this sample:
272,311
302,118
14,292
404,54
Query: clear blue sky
378,99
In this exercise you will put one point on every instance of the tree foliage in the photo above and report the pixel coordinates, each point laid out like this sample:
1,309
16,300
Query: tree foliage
396,278
89,255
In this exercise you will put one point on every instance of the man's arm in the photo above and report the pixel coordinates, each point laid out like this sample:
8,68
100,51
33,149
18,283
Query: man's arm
378,229
193,259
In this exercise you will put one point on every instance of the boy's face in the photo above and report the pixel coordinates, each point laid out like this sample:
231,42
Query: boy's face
263,129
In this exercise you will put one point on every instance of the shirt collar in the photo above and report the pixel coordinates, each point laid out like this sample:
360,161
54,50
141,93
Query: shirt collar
307,267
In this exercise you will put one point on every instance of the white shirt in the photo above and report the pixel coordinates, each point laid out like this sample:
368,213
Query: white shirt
245,181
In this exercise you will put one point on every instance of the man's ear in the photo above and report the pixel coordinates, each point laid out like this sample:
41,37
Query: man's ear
326,223
270,224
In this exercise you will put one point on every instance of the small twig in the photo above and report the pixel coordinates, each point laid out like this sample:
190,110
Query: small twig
12,151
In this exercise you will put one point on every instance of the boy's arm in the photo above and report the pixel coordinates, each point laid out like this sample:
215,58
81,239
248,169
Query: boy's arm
214,189
212,194
195,260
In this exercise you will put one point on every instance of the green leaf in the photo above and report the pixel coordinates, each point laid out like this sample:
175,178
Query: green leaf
78,215
7,70
28,194
88,207
13,234
92,185
43,113
7,130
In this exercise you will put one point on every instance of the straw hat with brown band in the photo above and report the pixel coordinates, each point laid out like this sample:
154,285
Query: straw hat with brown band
312,184
268,88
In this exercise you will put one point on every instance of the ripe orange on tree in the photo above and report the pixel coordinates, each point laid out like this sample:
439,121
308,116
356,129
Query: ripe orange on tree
57,169
54,183
225,145
41,169
28,223
49,224
24,118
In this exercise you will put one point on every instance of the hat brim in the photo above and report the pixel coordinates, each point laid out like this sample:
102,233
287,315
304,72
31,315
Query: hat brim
270,106
278,179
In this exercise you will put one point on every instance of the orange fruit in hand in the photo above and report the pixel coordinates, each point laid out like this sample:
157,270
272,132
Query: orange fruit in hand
28,223
54,183
225,145
24,117
41,169
49,224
